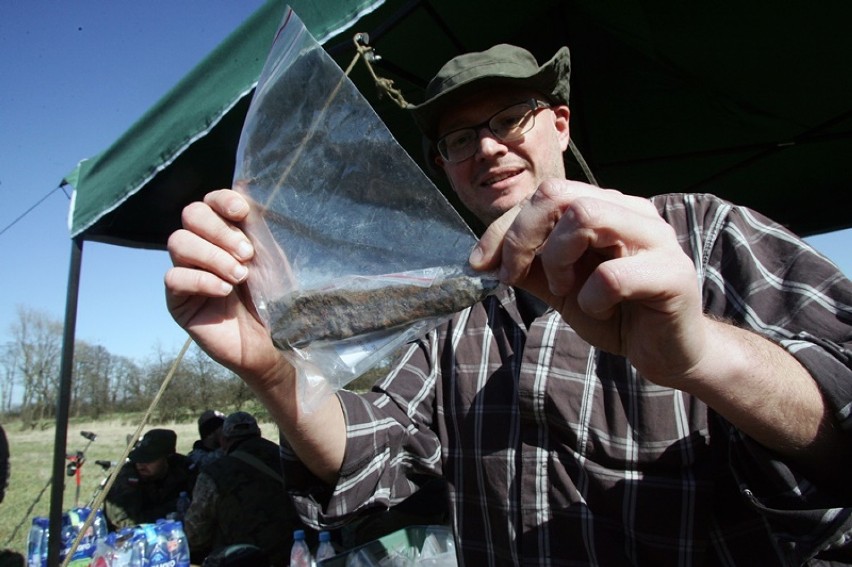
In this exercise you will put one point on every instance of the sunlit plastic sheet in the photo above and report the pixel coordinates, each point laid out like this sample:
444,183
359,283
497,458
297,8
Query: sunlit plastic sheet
357,251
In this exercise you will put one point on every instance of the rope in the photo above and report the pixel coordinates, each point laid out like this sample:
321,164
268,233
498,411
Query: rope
368,54
365,53
27,513
98,502
583,165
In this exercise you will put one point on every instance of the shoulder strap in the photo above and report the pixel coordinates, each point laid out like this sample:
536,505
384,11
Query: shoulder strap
257,464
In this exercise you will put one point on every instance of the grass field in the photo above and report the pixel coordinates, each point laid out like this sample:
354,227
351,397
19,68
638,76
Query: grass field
32,463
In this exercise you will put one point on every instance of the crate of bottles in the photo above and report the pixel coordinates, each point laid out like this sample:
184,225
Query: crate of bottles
430,546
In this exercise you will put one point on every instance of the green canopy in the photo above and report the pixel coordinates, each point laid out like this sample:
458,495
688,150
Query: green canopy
751,101
186,142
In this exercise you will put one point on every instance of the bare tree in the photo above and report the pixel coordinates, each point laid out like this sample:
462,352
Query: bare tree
93,370
103,383
36,346
198,384
8,380
209,380
236,393
128,386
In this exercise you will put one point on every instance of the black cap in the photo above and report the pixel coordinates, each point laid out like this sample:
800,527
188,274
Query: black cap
155,445
240,424
210,421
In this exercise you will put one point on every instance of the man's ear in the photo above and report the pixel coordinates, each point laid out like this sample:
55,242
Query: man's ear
562,115
439,163
434,162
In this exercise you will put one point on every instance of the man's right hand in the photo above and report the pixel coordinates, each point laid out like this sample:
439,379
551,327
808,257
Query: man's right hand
205,292
206,295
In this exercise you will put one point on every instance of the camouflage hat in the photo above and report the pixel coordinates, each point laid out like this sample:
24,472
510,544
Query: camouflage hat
498,66
210,421
240,424
154,445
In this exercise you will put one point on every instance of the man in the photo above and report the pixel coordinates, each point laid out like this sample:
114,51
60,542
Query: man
148,485
208,447
662,382
240,498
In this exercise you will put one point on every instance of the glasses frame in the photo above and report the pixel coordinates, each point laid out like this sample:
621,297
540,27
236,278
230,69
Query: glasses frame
534,105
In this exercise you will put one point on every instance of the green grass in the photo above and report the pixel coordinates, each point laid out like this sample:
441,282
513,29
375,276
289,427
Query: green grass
32,464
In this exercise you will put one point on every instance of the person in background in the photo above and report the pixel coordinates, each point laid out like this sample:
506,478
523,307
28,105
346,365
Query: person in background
208,447
240,498
8,557
661,381
148,485
5,469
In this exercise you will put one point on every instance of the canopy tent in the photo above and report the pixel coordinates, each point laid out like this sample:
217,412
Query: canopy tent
752,102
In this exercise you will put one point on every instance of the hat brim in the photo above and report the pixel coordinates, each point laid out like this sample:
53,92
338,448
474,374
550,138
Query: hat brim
551,80
145,455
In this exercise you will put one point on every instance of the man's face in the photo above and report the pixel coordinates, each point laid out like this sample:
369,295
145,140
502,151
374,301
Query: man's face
501,174
154,470
213,440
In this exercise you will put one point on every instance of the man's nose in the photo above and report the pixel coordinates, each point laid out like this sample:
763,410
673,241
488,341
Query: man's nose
487,143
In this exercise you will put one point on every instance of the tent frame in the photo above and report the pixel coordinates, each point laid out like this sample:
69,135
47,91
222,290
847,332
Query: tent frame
63,403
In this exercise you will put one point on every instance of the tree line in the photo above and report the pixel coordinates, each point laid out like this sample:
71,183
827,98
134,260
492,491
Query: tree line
103,383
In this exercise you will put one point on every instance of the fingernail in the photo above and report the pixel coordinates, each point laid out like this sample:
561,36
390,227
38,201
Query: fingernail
475,256
244,250
240,272
236,206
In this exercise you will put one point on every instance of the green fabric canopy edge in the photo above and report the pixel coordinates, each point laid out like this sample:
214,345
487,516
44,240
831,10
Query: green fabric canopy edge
193,106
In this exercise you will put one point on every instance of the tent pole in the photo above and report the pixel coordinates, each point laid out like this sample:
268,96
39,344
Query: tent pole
63,403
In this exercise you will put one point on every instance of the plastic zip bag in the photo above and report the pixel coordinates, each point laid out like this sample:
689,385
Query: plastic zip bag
357,252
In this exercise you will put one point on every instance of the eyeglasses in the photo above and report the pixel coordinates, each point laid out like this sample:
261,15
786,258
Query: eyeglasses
508,125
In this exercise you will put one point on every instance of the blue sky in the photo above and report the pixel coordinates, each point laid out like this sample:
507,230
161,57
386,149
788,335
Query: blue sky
73,77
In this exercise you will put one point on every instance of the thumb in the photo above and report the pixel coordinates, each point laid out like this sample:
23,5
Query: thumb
486,255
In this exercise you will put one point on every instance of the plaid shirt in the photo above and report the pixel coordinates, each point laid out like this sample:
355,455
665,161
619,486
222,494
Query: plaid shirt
557,453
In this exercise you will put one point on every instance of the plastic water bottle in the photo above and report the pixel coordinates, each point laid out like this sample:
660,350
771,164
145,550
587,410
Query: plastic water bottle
182,505
68,535
324,549
99,526
37,543
300,554
178,545
137,552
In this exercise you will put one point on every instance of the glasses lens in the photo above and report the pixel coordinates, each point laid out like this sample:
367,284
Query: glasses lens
513,122
458,145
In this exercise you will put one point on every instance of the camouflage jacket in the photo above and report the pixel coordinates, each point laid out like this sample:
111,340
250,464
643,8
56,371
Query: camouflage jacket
240,498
